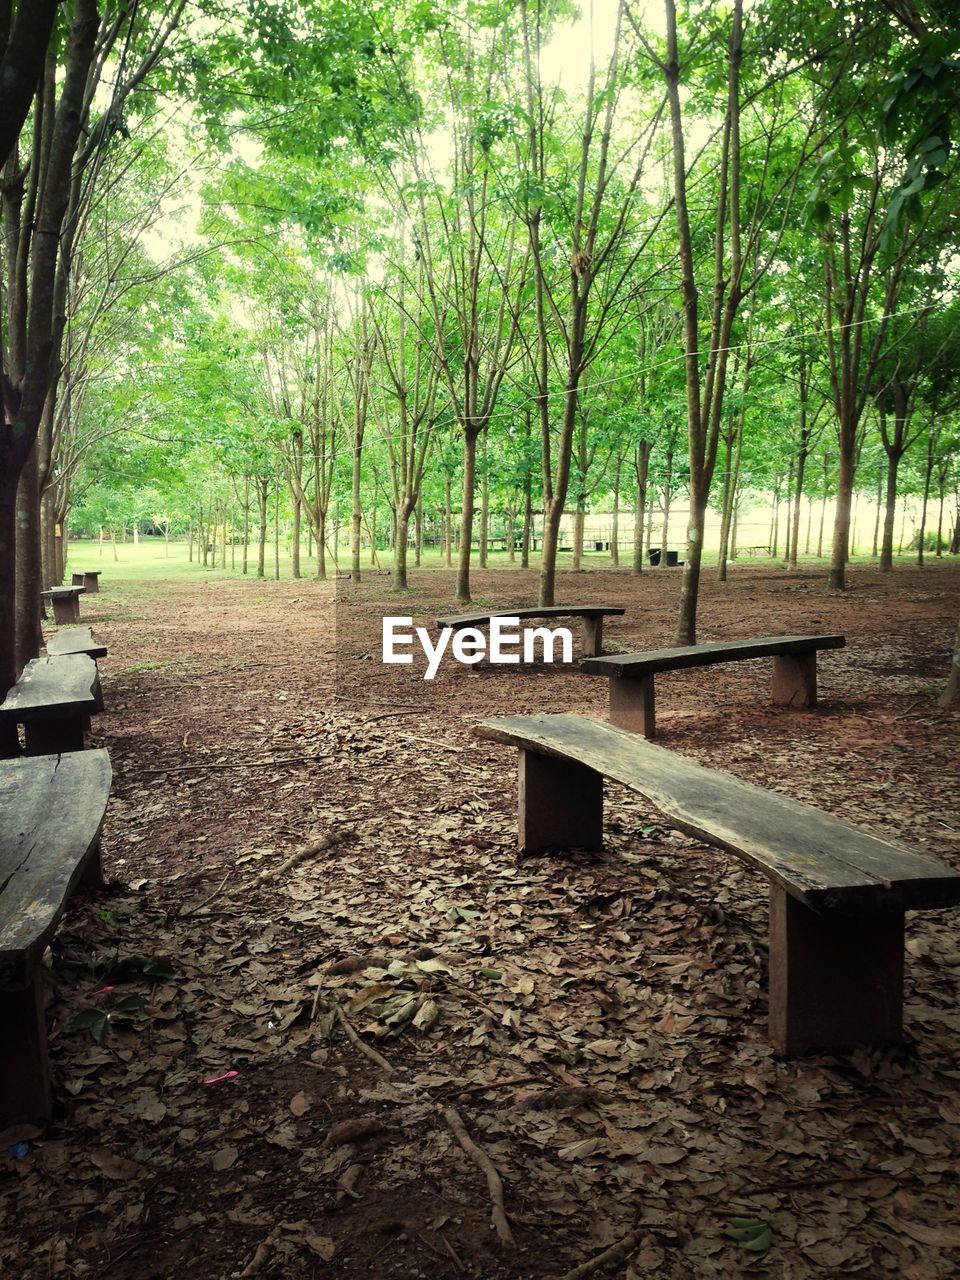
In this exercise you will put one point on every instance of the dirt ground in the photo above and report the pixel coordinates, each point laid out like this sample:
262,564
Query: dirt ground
309,852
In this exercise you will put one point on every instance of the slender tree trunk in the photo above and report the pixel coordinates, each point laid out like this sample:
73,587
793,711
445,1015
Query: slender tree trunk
276,530
28,638
875,550
890,510
447,520
418,532
484,510
400,550
189,542
642,467
470,435
295,544
321,545
246,522
943,486
9,741
263,493
927,477
615,529
841,530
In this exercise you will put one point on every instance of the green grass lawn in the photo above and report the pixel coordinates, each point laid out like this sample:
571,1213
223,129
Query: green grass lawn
153,561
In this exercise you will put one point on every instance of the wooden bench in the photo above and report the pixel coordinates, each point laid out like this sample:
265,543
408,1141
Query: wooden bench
89,579
632,704
54,699
592,616
837,894
75,640
66,602
51,814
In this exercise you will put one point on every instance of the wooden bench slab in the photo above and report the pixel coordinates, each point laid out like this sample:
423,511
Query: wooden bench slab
52,700
75,640
66,602
592,616
632,702
838,893
51,815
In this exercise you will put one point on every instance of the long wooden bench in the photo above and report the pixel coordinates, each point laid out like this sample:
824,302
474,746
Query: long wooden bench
54,699
632,704
65,601
837,894
51,814
75,640
592,618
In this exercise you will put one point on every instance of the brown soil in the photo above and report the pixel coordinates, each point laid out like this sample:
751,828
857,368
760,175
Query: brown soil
600,1021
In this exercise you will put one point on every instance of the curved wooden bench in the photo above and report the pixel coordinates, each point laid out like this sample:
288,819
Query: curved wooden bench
837,894
51,815
632,704
592,616
54,699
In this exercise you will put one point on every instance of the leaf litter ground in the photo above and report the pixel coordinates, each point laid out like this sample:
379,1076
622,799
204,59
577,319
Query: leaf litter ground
323,1016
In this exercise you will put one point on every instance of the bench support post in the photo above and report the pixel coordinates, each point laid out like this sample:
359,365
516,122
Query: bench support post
836,981
592,634
632,705
795,679
66,610
92,583
24,1068
53,737
561,804
77,579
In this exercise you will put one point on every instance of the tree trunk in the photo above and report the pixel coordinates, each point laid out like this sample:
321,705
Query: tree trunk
927,477
447,520
246,521
642,467
484,510
295,544
263,494
276,531
418,532
9,741
400,550
890,510
841,528
28,638
875,549
321,545
470,435
615,529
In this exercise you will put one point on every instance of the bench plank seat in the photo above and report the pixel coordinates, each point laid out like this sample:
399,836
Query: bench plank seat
75,640
52,700
632,703
591,614
51,814
838,893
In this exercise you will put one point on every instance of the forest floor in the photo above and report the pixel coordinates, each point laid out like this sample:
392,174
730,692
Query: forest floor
303,844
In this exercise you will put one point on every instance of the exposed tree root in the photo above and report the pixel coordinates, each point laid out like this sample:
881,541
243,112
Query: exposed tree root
482,1160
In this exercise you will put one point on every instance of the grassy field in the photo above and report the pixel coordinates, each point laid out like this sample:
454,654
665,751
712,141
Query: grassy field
153,561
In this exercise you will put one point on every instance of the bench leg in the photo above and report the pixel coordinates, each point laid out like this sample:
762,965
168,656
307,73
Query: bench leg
592,633
77,580
632,705
54,737
66,611
795,680
92,585
561,804
836,981
91,878
24,1069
